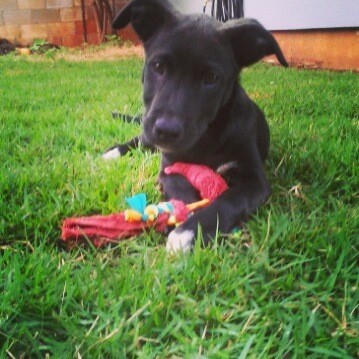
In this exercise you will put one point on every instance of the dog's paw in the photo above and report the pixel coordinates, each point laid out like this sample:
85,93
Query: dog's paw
112,154
180,241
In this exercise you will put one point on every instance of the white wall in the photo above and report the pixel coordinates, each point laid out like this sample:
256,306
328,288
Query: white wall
191,6
291,14
303,14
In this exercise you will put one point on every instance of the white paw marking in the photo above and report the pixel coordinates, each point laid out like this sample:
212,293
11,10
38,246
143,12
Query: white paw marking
179,241
111,154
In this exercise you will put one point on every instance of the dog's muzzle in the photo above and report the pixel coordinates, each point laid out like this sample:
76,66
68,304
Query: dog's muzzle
167,132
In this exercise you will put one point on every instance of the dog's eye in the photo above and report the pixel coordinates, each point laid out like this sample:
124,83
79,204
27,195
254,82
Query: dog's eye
210,78
159,67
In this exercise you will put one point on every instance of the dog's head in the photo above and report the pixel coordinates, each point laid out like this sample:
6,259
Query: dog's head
191,67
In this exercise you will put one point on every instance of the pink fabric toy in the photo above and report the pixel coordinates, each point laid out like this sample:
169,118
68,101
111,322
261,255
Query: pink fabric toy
209,183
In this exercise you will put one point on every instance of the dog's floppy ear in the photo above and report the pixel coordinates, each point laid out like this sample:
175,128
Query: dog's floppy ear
251,42
146,16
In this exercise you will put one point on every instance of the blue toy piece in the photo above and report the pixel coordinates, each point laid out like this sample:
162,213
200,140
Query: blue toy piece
140,210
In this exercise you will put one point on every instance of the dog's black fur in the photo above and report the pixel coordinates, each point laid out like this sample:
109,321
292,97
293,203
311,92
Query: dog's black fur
196,112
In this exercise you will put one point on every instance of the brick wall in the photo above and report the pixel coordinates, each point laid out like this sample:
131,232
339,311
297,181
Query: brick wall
57,21
336,49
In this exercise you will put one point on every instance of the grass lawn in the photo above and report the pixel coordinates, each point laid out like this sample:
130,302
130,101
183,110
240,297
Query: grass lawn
285,287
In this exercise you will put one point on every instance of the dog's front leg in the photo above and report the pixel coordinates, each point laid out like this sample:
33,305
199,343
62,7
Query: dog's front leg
122,149
227,211
176,186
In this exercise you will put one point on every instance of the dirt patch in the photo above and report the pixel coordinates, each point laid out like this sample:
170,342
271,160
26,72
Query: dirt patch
86,53
106,53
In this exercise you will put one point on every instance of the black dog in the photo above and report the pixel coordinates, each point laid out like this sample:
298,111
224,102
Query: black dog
196,112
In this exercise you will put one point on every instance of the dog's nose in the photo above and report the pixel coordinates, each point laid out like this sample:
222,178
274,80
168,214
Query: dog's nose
167,130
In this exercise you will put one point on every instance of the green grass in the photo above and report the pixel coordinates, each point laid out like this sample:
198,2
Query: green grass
285,287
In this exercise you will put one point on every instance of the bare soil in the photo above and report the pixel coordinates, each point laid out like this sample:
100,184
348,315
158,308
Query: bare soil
107,53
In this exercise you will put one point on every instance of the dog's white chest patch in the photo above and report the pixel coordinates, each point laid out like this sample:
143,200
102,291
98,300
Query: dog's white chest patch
226,167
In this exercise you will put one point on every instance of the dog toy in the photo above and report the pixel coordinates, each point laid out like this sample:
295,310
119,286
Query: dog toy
209,183
178,211
140,216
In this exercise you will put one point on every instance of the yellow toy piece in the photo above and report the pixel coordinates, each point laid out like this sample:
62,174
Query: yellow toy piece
196,205
151,212
132,216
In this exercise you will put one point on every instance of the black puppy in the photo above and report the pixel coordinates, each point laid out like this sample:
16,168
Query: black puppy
196,112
